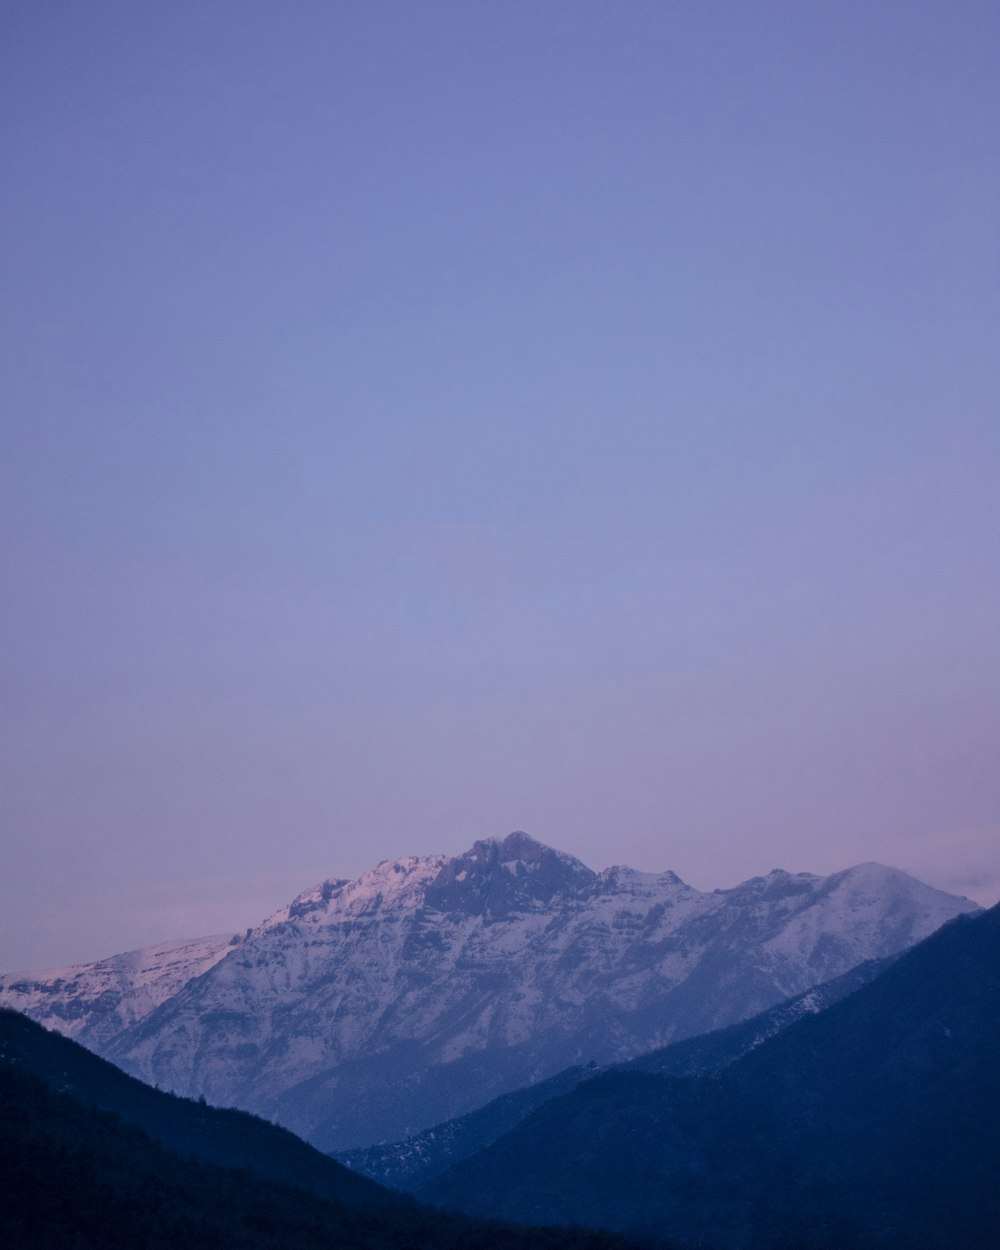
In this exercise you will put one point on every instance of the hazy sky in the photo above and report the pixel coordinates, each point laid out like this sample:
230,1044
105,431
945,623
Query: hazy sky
424,420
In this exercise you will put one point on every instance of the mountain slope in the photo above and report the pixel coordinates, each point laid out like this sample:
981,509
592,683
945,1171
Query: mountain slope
369,1010
412,1164
872,1123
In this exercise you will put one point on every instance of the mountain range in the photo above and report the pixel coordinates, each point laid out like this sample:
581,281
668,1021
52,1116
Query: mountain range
369,1010
862,1114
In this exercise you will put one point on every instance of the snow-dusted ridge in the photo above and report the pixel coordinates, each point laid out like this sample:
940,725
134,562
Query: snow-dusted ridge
391,883
370,1009
94,1002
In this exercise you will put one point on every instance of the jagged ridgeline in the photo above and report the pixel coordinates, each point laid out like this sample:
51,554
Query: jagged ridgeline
369,1010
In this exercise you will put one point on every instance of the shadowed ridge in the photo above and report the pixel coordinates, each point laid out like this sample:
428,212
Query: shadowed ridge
233,1139
75,1176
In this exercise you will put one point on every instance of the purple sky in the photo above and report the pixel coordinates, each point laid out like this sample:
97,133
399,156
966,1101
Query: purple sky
426,420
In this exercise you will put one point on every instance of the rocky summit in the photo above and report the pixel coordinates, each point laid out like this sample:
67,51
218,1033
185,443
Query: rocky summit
368,1010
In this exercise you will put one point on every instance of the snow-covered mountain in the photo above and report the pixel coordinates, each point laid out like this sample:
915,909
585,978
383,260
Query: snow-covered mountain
367,1010
93,1003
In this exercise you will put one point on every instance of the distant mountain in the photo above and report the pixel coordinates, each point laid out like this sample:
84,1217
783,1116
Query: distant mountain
412,1164
368,1010
870,1124
74,1174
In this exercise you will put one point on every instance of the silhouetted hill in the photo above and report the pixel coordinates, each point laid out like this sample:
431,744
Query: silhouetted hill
873,1123
232,1139
73,1177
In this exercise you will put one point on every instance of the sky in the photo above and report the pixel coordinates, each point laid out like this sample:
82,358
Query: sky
426,420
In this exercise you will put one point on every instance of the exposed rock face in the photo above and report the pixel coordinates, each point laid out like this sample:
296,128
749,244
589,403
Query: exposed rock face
496,880
368,1010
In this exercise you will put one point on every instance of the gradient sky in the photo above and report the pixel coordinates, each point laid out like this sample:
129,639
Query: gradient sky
425,420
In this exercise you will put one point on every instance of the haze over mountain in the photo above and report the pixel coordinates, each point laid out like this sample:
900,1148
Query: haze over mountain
369,1010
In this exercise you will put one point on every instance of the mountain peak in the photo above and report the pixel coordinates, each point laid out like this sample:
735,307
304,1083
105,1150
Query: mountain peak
521,845
494,879
881,881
